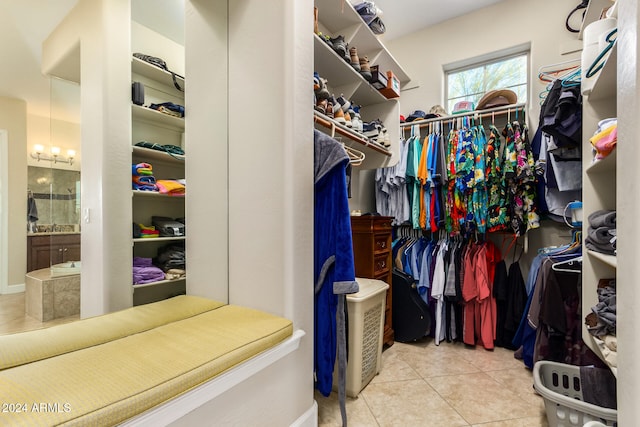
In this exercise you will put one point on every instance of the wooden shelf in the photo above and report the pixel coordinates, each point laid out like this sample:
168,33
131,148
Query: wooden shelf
149,153
157,118
157,239
610,260
159,283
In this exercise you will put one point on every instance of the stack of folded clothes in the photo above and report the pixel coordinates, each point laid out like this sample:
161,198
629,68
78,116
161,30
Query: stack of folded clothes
145,272
142,178
601,322
601,235
172,260
145,231
605,138
171,187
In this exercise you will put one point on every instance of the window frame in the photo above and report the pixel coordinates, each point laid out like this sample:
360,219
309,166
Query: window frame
488,59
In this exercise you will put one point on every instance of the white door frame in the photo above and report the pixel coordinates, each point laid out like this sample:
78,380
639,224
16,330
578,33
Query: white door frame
4,211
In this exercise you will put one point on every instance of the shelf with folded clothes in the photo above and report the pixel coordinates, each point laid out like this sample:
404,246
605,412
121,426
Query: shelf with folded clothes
604,353
157,118
159,282
146,193
151,154
604,165
610,260
158,239
152,72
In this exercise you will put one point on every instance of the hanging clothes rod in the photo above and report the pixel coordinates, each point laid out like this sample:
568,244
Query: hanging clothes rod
489,112
345,131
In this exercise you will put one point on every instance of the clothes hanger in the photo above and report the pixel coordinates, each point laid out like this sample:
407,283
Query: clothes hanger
574,265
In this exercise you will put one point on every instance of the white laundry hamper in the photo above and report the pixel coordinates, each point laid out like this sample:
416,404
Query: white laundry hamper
365,334
560,387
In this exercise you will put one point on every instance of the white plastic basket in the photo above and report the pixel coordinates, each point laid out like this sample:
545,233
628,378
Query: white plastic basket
560,386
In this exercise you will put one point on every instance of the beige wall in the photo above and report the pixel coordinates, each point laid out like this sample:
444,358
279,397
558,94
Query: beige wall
504,25
13,118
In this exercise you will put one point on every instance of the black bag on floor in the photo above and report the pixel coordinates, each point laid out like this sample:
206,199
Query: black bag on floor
411,315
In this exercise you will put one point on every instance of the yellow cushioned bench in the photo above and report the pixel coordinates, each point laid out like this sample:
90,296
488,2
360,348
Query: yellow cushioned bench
106,369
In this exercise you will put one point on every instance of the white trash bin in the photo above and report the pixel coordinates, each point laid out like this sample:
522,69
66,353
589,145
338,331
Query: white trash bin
365,333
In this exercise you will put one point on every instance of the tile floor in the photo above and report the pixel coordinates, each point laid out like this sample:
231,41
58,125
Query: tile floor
449,385
13,318
420,384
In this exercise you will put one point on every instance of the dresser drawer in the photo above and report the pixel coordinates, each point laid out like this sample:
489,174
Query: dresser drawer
381,263
381,243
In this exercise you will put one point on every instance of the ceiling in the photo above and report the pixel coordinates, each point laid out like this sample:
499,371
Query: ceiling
26,23
402,17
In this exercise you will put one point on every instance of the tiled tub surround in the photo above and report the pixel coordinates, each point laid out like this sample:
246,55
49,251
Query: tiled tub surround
48,298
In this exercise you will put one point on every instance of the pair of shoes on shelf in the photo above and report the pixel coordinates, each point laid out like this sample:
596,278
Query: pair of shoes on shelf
365,70
320,87
341,47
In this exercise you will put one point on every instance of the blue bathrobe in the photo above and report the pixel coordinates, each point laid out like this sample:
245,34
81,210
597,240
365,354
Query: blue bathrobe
334,273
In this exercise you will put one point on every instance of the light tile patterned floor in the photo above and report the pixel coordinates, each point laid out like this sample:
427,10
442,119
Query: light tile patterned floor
449,385
420,384
13,318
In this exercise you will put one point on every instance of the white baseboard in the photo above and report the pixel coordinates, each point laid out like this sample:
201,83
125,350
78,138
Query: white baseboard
13,289
309,418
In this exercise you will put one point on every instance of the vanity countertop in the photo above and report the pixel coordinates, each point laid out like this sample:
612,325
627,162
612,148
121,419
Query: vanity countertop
52,233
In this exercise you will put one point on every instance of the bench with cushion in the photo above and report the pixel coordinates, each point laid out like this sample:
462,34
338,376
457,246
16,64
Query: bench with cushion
106,369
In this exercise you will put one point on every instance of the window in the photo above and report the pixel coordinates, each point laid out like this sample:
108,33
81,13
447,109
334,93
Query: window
470,81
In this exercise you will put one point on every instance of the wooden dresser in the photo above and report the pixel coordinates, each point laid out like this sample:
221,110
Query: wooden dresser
372,255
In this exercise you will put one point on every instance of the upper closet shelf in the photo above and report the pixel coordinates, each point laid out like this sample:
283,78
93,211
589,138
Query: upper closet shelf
610,260
606,84
340,18
151,154
593,12
143,68
157,118
608,164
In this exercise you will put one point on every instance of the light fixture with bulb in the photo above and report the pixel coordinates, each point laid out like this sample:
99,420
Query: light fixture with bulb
55,157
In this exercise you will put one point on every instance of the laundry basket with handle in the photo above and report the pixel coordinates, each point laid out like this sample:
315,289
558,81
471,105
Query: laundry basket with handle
560,386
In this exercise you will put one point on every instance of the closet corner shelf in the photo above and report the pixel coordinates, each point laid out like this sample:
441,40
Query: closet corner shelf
157,239
157,118
143,68
605,86
608,164
610,260
152,154
345,131
593,12
155,194
158,283
597,345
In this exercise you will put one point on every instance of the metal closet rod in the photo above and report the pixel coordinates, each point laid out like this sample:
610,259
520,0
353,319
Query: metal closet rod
489,112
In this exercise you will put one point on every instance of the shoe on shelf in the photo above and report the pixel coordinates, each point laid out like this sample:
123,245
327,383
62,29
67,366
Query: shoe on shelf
355,61
371,129
322,92
321,105
341,47
347,120
355,121
365,70
344,103
329,112
316,81
338,114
